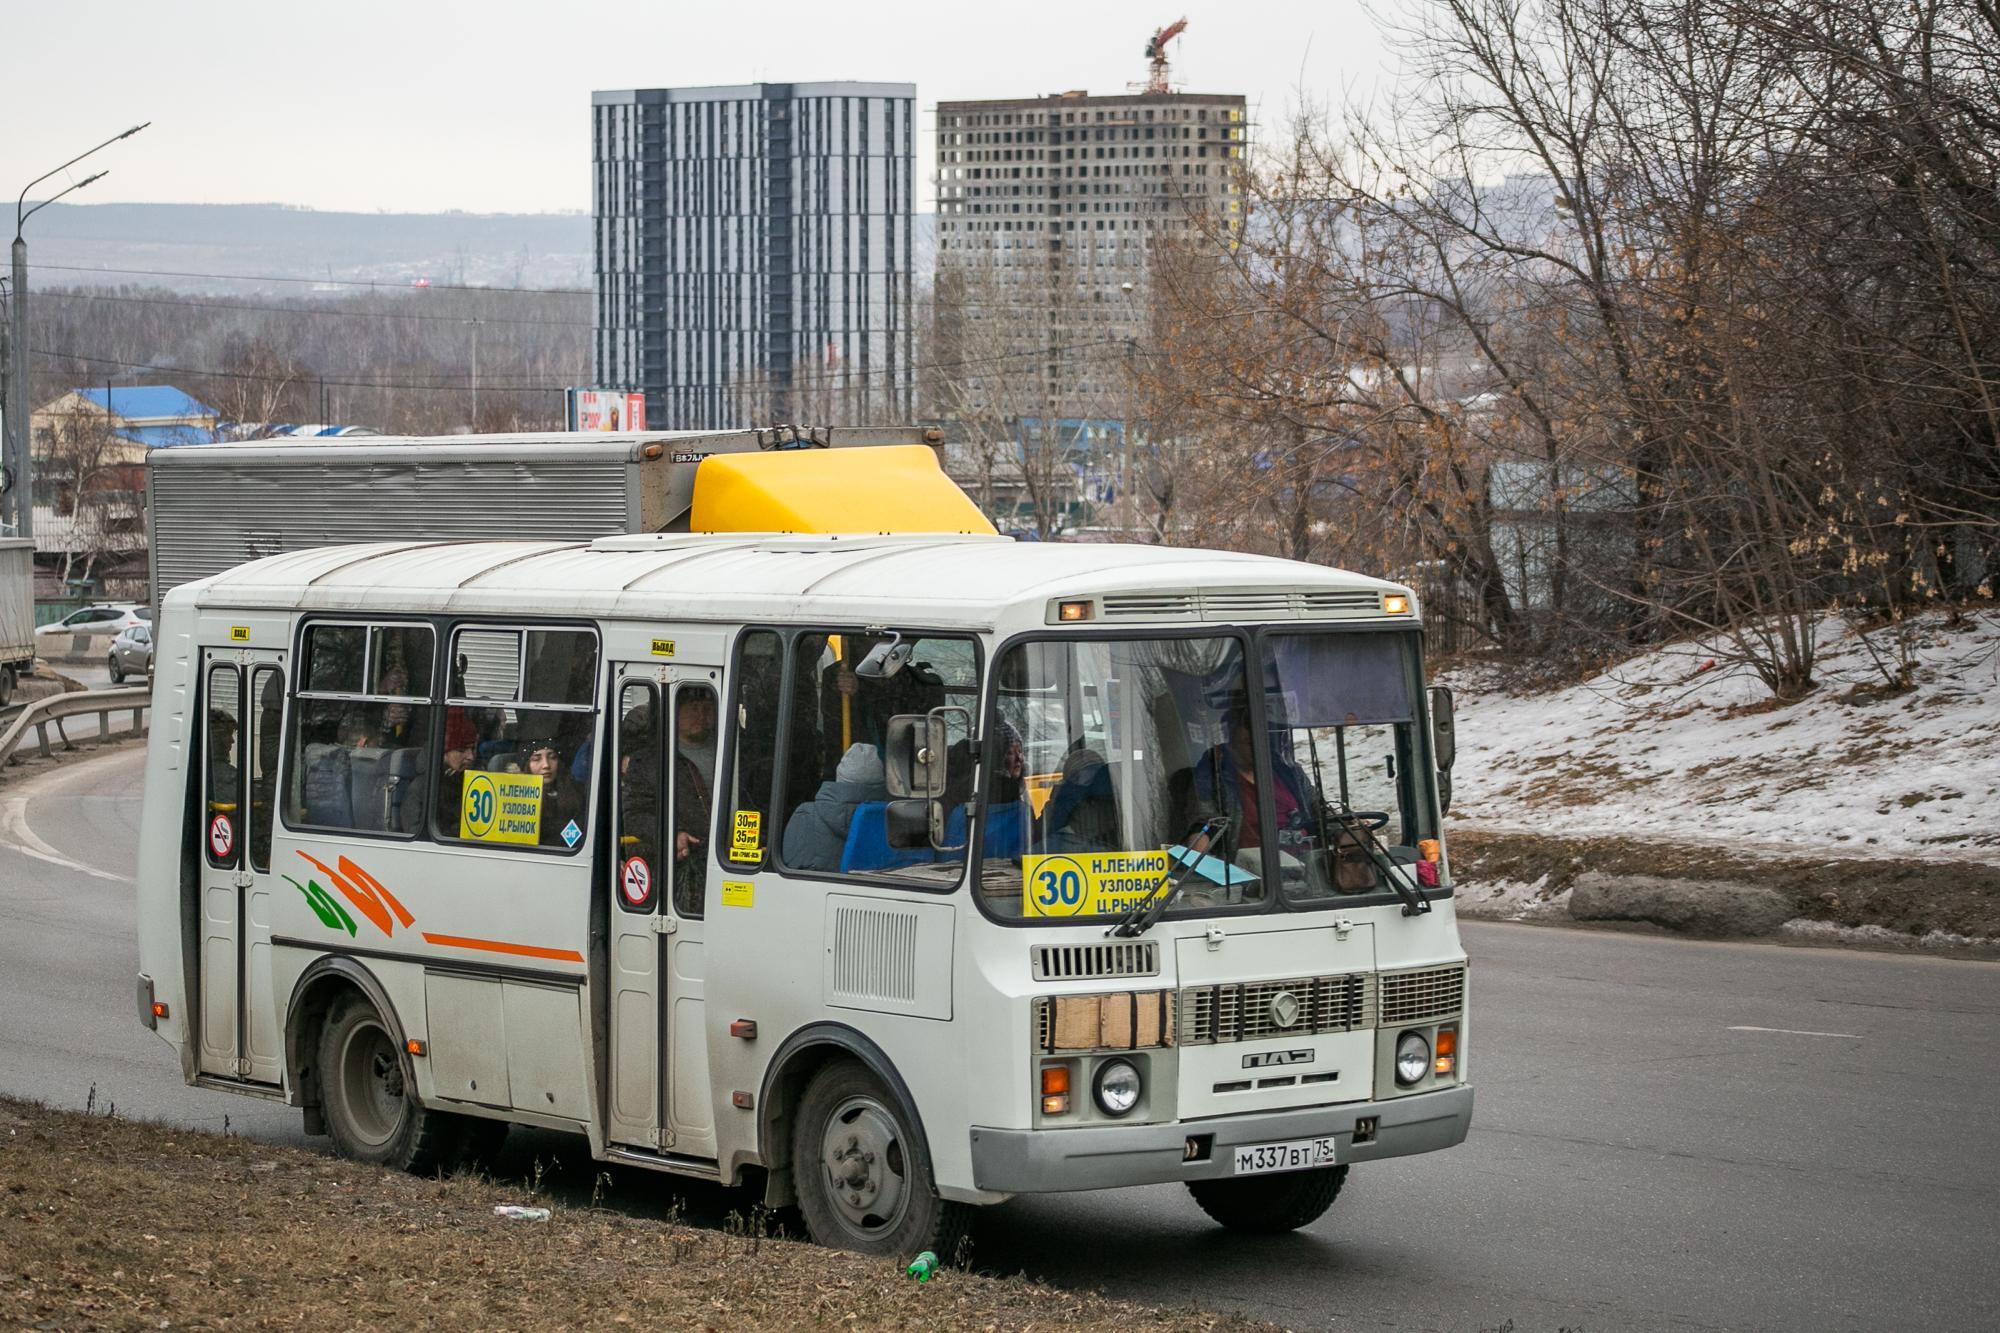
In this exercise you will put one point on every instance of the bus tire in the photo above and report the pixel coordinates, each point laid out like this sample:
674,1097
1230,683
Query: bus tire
1270,1205
371,1110
862,1174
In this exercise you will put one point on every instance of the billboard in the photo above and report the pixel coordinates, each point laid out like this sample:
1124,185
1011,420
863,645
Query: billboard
606,409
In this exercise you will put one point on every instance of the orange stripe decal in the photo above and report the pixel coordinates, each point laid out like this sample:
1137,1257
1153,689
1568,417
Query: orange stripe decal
364,901
374,885
501,946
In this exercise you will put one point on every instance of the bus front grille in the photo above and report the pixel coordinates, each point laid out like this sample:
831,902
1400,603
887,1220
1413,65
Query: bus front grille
1259,1010
1419,997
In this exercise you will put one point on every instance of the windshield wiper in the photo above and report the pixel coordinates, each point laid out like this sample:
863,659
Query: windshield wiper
1147,910
1414,902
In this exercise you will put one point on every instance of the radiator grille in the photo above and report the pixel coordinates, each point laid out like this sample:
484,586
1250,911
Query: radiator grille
1245,1011
874,955
1234,604
1418,997
1082,962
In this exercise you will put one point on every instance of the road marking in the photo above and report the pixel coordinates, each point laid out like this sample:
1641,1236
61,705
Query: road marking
1795,1032
23,839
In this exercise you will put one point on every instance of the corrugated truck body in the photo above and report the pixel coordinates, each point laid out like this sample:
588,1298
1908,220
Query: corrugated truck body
213,507
17,603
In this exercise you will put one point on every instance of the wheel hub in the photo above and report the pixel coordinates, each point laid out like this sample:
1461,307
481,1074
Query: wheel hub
862,1155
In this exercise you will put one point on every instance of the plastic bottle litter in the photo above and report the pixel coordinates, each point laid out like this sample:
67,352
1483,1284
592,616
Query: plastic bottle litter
922,1267
519,1214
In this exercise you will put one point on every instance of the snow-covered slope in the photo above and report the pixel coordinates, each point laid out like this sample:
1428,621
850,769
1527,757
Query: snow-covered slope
1669,746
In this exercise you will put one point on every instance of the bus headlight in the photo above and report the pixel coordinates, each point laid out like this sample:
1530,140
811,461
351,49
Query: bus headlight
1413,1058
1117,1086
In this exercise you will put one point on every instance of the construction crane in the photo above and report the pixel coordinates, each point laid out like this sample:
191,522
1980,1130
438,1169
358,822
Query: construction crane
1156,53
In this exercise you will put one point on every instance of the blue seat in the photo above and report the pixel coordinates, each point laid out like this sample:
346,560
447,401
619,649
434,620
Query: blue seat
868,848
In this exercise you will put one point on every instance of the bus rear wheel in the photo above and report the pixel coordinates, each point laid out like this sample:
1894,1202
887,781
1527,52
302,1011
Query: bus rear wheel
1270,1205
371,1110
862,1176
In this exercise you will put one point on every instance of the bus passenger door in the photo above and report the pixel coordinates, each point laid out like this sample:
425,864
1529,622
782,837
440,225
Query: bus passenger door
243,692
659,1053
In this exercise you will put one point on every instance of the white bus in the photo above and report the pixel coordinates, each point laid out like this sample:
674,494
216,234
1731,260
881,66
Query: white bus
902,873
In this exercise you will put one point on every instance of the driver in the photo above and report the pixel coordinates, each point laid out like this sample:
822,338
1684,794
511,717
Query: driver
1225,782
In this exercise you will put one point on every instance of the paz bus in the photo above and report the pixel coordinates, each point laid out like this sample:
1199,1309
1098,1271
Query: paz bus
897,871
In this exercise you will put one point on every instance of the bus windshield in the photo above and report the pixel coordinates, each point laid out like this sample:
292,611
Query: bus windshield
1109,756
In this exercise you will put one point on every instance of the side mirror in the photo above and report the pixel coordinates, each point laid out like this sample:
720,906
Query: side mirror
885,659
1444,737
908,824
913,760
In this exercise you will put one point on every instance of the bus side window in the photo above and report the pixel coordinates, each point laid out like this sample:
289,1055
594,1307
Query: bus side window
693,794
267,694
745,833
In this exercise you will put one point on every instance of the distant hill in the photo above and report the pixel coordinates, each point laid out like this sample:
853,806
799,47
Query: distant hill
242,243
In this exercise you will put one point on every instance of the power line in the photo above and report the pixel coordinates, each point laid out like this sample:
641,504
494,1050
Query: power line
323,312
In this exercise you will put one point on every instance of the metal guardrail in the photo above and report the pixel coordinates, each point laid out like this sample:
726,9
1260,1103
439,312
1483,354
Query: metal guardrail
44,713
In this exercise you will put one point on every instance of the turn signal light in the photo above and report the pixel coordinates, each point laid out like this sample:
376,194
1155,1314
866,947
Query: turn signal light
1395,604
414,1046
159,1009
1055,1089
1446,1051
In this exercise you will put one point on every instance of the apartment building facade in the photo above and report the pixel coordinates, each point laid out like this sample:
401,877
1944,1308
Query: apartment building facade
753,252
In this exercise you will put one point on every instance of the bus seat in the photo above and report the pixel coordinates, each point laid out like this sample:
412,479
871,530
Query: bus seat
1006,835
868,846
328,798
368,779
401,768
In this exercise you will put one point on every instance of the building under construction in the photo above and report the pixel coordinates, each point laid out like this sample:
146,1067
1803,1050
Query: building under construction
1049,207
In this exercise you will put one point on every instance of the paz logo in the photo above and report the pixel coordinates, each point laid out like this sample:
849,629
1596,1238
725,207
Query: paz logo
1284,1009
361,889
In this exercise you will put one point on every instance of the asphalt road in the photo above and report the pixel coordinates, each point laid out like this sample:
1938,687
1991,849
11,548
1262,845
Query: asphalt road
1669,1134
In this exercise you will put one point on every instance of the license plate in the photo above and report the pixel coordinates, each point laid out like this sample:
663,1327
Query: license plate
1292,1155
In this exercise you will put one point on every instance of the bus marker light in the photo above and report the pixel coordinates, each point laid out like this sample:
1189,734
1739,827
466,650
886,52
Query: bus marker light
742,1101
1055,1105
159,1008
745,1028
1072,611
1395,604
415,1046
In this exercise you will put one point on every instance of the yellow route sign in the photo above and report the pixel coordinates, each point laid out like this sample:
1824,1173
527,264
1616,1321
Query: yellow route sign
501,807
1089,883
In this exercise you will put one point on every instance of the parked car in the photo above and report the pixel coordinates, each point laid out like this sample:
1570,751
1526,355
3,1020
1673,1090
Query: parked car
106,618
132,653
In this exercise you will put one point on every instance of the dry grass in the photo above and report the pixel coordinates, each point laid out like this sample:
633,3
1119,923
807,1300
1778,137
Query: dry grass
110,1224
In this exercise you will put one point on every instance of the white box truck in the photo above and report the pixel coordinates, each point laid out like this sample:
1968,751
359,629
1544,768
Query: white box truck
17,613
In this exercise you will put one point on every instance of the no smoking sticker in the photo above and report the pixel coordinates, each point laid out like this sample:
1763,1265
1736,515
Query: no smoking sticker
221,837
635,881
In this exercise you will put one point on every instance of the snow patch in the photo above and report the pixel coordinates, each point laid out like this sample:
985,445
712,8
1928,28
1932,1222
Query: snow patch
1673,747
1826,932
1510,900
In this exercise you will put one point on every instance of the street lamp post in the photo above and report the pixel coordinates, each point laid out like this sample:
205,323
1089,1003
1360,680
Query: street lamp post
20,496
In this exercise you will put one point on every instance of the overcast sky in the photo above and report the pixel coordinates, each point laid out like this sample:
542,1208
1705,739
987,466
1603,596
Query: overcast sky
428,105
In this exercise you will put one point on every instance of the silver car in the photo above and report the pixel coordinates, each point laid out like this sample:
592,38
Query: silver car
131,653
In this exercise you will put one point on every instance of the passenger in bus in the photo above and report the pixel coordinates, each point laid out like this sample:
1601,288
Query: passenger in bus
856,708
561,802
394,731
1225,782
694,785
1082,811
461,736
816,833
638,787
222,773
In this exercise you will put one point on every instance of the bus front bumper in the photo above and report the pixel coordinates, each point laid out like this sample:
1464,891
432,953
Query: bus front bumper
1042,1161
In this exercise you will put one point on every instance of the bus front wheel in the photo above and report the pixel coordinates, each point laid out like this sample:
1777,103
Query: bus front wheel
863,1180
371,1110
1273,1204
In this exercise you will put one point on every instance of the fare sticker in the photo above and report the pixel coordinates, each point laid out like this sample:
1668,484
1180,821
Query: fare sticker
501,807
746,836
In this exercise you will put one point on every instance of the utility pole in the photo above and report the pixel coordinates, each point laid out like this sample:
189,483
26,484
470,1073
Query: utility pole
20,497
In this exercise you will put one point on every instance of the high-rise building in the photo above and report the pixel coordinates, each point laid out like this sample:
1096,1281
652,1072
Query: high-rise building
1048,211
753,252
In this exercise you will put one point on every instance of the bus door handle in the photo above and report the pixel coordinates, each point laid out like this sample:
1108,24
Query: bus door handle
666,924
